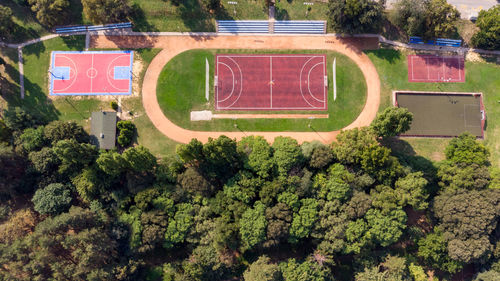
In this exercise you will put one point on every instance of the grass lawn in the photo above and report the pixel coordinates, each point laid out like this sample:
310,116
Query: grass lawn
296,10
189,15
479,77
181,89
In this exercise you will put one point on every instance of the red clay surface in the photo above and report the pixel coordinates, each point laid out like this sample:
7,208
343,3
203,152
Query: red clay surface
431,68
271,82
91,73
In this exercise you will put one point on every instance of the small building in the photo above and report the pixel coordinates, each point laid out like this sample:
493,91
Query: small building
103,129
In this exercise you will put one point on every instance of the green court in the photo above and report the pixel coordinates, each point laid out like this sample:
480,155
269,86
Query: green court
443,114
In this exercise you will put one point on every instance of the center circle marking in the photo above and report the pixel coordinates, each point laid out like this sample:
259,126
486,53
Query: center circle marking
91,72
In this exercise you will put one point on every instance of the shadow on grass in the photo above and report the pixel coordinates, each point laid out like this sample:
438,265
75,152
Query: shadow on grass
35,101
407,156
195,17
281,14
74,42
35,49
139,20
386,54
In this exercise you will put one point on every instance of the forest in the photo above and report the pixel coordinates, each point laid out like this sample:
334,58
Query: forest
244,210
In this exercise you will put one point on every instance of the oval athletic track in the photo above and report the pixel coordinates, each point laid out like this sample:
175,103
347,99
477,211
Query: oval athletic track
173,45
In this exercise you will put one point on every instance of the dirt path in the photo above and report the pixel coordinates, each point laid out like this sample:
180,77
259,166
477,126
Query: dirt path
173,45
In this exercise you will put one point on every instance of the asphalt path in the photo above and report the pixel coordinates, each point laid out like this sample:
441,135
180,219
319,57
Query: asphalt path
467,8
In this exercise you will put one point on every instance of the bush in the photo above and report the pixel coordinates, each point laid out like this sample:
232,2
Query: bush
50,12
105,11
6,23
53,199
127,133
64,130
114,105
489,35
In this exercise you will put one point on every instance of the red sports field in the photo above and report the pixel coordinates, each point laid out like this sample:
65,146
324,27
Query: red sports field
91,73
271,82
430,68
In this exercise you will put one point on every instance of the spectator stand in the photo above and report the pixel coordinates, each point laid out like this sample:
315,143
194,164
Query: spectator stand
88,28
437,42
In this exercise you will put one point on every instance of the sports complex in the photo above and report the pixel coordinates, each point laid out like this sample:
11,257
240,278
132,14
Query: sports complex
307,87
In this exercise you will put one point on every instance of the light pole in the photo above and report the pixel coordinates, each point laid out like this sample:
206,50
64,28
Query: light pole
234,3
309,6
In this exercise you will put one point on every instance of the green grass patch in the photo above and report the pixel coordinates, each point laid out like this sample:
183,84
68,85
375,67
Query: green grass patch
296,10
181,89
482,77
189,15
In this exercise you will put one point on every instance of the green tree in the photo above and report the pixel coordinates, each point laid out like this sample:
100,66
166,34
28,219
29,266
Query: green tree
50,12
105,11
179,226
90,183
385,229
72,246
253,226
440,19
468,219
111,162
32,139
463,177
488,37
12,172
304,271
392,122
221,159
262,270
192,181
6,22
45,161
139,160
74,156
465,150
321,157
351,145
154,224
257,155
18,119
433,249
304,220
5,132
63,130
127,132
410,190
279,219
356,16
53,199
190,153
409,15
287,154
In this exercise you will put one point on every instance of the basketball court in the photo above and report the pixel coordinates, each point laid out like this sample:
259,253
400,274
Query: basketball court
91,73
271,82
431,68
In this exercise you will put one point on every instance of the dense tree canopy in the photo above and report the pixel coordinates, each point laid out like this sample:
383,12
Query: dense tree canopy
356,16
228,209
392,122
105,11
488,36
50,12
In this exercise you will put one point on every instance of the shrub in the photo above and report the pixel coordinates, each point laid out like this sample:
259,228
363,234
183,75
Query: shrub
114,105
127,133
53,199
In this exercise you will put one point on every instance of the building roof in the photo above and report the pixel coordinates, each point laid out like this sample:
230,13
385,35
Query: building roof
103,129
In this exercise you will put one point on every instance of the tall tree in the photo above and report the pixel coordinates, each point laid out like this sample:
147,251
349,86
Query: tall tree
392,122
409,15
287,154
465,150
257,155
53,199
62,130
440,19
488,37
262,270
105,11
6,22
356,16
50,12
253,226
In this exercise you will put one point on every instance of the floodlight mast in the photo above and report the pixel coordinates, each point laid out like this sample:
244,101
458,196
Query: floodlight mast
234,3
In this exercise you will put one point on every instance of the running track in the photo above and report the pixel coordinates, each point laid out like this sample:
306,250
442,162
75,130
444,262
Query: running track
174,44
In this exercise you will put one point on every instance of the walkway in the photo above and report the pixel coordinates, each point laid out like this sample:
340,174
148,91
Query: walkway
173,45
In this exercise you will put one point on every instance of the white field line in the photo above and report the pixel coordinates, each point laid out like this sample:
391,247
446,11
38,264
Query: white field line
334,79
207,72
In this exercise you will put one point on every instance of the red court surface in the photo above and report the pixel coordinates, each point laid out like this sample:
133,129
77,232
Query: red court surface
431,68
271,82
91,73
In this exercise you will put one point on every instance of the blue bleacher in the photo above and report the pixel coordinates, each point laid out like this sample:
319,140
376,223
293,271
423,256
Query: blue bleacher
86,28
437,42
243,26
307,27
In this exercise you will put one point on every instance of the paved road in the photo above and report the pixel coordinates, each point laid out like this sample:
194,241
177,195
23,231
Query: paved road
466,7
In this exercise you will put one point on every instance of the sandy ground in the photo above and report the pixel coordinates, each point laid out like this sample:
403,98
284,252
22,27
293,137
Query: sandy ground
175,44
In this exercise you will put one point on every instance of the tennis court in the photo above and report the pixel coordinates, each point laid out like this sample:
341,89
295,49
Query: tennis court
271,82
431,68
91,73
443,114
